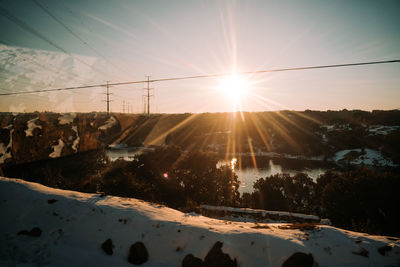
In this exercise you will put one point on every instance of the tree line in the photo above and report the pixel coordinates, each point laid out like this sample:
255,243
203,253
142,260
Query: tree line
362,200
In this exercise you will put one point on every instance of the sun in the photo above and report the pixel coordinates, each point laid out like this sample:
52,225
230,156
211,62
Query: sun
234,87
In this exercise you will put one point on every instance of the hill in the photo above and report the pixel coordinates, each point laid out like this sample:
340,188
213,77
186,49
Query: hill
341,137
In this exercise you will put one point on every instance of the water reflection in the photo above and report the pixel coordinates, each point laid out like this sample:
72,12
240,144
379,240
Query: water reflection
126,153
233,163
248,176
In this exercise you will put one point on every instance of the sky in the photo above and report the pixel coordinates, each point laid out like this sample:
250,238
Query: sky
53,44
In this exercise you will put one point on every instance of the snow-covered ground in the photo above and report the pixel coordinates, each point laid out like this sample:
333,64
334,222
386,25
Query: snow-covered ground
66,118
77,139
32,126
5,149
72,226
368,157
111,122
382,129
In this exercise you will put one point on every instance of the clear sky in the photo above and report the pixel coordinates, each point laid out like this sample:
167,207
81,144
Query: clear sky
124,40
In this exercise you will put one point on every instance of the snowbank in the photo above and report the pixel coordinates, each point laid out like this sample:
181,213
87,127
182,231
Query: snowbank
263,213
66,118
382,129
57,149
75,144
43,226
32,126
367,157
5,150
111,122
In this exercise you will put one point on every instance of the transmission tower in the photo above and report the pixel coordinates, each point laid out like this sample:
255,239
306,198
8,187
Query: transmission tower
108,97
148,95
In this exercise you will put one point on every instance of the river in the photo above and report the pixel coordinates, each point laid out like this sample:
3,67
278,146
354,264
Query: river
247,176
244,167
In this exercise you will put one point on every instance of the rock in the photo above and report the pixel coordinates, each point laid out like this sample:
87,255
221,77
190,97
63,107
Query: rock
384,250
299,259
34,232
138,254
362,252
51,201
192,261
216,258
108,246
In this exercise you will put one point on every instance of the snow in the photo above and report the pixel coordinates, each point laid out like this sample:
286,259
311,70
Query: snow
5,150
329,128
118,146
75,144
126,153
382,129
370,157
109,124
31,126
337,127
75,226
324,138
57,149
262,212
66,118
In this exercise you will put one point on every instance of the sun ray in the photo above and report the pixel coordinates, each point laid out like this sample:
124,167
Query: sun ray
260,132
253,157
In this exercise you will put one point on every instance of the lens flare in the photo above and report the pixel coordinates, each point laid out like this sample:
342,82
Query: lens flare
234,87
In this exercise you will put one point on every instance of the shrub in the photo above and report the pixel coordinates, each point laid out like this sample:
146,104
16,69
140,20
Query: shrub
284,192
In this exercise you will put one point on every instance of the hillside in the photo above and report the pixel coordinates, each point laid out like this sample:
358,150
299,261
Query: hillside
42,226
28,137
341,137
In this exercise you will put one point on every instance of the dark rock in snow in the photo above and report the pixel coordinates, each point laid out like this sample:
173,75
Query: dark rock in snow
108,246
192,261
34,232
216,258
384,250
362,252
51,201
299,259
138,253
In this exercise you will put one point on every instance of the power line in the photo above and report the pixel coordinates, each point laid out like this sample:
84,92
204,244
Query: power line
73,33
279,70
207,76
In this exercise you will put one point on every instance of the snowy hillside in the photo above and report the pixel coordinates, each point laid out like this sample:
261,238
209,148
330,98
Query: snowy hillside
43,226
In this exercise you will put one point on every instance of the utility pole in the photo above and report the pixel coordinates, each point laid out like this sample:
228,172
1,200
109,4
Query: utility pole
123,106
148,94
